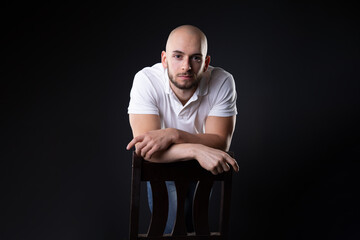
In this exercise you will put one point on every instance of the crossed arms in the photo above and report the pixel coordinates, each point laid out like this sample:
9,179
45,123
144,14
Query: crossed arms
170,144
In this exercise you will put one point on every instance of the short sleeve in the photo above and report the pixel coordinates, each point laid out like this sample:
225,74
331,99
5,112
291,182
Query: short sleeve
142,96
224,104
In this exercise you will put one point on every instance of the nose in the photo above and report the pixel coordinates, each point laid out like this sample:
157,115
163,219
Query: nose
186,66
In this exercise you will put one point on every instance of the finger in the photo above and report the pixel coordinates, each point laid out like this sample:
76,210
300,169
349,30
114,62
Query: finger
144,150
220,169
225,166
140,145
233,163
236,166
134,141
138,151
214,171
131,144
151,152
138,148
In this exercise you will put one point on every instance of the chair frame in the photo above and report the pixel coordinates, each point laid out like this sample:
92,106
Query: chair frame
181,173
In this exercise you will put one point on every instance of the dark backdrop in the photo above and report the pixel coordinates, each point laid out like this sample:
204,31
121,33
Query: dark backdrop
66,74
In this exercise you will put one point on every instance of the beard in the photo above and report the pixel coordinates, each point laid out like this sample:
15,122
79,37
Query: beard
186,86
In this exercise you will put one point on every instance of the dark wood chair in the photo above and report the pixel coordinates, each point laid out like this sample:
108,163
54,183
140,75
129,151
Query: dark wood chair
181,173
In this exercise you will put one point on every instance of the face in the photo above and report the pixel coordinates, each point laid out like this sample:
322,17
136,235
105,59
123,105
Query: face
184,70
185,62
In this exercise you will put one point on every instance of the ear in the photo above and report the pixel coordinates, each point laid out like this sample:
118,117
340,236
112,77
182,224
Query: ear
207,62
163,59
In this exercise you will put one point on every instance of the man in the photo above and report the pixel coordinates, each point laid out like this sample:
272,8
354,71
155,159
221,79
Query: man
183,109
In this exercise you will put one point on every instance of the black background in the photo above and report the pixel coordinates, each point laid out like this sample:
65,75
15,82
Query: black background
66,73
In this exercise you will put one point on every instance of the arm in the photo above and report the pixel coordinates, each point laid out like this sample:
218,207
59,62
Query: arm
218,133
212,159
167,145
149,139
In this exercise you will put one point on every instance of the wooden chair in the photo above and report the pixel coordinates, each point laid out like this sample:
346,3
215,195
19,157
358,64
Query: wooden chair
181,173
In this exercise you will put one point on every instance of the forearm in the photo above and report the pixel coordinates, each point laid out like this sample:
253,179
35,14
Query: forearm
211,159
176,152
207,139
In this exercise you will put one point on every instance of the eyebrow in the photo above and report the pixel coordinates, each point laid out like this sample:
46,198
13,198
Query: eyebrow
180,52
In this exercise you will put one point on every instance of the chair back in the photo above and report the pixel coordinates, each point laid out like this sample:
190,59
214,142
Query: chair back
182,173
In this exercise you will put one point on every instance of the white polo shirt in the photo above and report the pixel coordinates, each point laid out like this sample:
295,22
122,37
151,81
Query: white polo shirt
151,94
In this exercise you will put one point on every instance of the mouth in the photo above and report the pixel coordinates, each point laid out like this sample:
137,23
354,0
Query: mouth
185,76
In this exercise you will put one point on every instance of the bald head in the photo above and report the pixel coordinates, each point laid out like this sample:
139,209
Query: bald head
186,36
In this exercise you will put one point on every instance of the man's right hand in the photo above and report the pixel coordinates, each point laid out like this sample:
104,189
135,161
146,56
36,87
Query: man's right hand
150,142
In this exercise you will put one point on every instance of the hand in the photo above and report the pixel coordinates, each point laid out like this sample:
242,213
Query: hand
149,143
214,160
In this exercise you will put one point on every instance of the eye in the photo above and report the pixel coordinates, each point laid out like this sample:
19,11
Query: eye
196,58
177,56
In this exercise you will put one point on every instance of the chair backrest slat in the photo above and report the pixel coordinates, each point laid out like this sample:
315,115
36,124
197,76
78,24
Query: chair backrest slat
225,201
135,197
201,207
160,209
181,192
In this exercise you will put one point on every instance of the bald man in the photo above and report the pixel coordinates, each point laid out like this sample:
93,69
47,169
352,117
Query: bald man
182,109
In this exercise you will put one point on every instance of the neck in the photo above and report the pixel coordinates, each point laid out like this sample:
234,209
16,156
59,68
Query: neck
183,94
